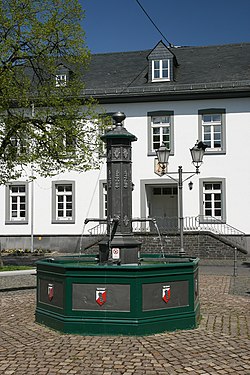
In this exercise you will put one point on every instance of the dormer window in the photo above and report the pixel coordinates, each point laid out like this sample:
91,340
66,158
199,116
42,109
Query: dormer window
161,70
61,80
161,63
62,75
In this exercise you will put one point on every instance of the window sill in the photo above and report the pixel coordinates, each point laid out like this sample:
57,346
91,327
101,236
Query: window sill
215,152
153,153
16,222
63,222
161,80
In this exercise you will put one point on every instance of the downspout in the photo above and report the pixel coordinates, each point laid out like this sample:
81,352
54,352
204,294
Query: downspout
32,197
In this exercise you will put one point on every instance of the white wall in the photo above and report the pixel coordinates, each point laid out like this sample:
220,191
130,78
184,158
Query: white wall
233,166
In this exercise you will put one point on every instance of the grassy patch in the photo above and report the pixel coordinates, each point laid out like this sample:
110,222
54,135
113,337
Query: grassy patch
15,268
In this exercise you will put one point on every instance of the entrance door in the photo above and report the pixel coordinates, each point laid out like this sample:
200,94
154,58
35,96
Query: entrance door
163,206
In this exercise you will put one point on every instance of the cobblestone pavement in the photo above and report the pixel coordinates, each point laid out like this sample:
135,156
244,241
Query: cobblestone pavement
220,345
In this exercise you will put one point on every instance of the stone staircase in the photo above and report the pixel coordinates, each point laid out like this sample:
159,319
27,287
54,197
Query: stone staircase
169,225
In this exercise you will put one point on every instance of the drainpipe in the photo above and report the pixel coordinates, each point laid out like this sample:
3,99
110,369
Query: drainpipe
32,197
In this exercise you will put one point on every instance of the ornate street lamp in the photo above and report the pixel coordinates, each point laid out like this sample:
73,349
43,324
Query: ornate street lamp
162,155
197,153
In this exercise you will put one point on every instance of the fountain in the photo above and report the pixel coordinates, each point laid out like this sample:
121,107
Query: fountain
119,291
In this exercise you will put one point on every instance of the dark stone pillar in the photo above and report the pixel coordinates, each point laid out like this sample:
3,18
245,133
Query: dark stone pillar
119,194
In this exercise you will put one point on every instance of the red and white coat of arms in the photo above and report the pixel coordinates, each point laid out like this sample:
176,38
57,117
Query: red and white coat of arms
101,296
166,293
50,291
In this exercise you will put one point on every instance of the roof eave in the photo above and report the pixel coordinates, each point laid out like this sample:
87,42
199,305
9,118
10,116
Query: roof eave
106,97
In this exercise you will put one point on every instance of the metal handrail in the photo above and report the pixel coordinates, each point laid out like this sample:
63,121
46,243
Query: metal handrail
98,230
229,233
170,225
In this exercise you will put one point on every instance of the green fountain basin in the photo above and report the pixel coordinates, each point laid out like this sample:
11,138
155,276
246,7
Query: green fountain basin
77,295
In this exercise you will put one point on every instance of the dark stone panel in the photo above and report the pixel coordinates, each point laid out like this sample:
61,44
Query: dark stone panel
117,297
152,295
57,299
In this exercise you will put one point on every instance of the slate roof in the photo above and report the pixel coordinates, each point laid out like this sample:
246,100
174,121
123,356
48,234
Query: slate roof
206,71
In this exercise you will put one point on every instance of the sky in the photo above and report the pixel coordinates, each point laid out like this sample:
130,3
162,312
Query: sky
121,25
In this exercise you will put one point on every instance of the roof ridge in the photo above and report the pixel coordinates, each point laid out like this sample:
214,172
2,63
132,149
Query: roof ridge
214,45
120,52
173,48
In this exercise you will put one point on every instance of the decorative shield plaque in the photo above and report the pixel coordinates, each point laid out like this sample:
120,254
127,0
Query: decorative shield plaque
100,296
50,291
166,293
158,168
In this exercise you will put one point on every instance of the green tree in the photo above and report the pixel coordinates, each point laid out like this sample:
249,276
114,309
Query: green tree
44,119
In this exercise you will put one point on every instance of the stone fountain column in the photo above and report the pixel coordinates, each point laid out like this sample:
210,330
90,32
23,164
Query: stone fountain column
120,244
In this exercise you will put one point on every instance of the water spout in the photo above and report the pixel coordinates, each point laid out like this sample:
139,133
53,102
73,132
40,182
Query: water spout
153,220
159,235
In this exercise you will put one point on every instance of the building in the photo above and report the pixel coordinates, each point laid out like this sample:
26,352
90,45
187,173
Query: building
173,95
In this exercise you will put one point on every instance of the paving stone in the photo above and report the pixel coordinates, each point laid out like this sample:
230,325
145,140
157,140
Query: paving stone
219,346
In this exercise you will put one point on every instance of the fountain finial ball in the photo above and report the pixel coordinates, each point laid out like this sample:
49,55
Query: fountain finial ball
118,118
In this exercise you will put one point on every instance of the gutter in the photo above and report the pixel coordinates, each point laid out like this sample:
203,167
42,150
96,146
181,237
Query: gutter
174,92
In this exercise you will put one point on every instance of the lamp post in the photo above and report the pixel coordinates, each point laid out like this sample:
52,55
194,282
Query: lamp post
197,153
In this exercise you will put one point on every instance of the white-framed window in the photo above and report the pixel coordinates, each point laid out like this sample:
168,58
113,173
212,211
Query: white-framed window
69,142
160,130
64,202
212,129
161,70
105,201
63,209
107,124
213,200
61,80
17,203
19,144
212,195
